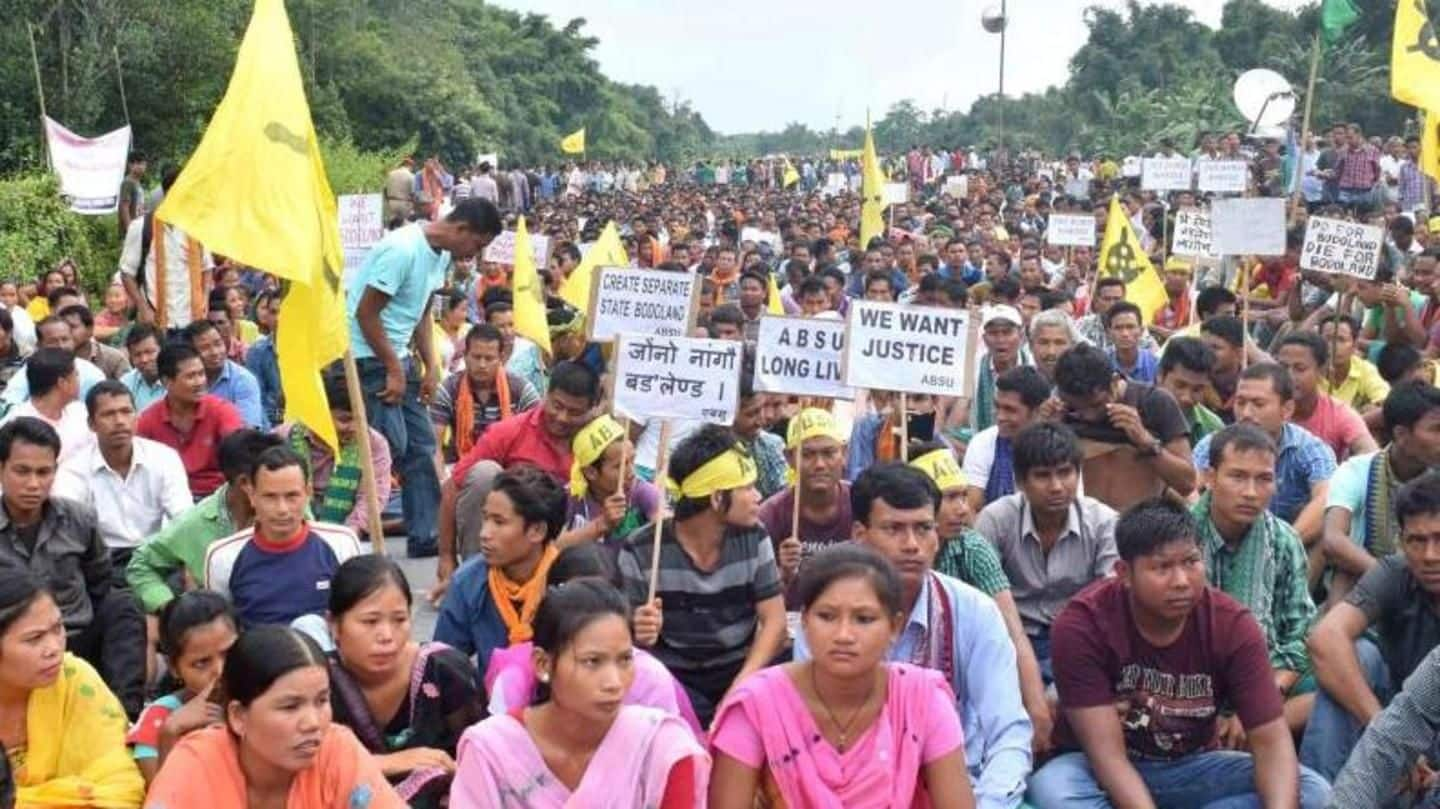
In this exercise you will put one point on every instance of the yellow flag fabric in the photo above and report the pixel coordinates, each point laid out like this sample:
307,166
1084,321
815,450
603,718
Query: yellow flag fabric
1121,256
872,193
606,252
1430,143
573,143
791,176
530,319
255,190
772,297
1415,57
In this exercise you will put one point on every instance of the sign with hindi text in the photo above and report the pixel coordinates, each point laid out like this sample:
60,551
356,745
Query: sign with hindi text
801,356
362,224
1165,174
627,300
1248,226
1191,237
1071,230
677,378
1223,176
1344,248
913,349
502,249
90,170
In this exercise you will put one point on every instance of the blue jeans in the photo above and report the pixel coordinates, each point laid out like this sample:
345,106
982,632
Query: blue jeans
1040,642
406,426
1332,732
1222,779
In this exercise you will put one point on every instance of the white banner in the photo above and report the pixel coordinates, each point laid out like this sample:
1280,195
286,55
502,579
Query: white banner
801,356
757,236
914,349
1337,246
362,224
90,169
896,193
957,186
502,249
1165,174
1223,176
1191,237
1073,230
493,158
641,302
1254,226
677,378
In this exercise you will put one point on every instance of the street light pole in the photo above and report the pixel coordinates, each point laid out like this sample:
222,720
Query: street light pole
1004,23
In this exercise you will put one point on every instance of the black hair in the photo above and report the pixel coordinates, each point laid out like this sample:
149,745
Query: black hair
1210,299
191,609
106,387
172,354
1309,340
1045,444
1408,402
1418,498
275,459
479,216
1027,382
810,285
482,333
7,323
48,321
240,449
726,313
1241,438
59,292
1279,377
575,379
19,590
1227,328
197,329
1189,353
698,449
47,368
1082,370
1108,281
747,371
536,497
566,611
1396,361
1349,322
900,485
1007,289
880,277
337,391
1150,525
141,332
263,655
1123,308
567,250
363,576
497,304
78,310
849,561
588,560
754,275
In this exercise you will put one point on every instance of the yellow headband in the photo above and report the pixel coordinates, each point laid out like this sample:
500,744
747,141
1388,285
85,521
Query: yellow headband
942,468
587,446
811,422
731,469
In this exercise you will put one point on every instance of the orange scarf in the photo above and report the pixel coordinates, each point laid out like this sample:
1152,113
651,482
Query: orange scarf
465,409
505,593
887,443
199,296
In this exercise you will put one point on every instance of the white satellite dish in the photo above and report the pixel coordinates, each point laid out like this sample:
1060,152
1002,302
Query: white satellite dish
992,20
1264,97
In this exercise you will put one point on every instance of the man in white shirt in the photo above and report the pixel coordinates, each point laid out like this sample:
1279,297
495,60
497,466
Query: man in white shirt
54,393
483,185
134,485
168,258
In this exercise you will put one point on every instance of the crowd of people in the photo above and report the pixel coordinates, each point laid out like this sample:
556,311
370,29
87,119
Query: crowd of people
1190,559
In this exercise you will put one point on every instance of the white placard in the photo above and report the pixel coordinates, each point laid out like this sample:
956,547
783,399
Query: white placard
1223,176
915,349
502,249
1253,226
633,301
677,378
896,193
801,356
362,224
1337,246
958,186
493,158
90,169
1074,230
1192,236
758,236
1165,174
835,181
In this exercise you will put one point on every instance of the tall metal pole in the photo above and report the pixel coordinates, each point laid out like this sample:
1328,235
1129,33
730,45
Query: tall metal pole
1000,99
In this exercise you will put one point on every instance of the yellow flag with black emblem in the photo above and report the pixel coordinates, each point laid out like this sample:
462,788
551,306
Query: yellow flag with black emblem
1415,57
255,190
529,304
1121,256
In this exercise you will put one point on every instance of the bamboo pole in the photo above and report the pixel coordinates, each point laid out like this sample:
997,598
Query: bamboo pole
40,92
1305,124
662,470
367,464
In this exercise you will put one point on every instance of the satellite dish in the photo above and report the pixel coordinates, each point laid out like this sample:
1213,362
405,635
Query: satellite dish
992,20
1264,97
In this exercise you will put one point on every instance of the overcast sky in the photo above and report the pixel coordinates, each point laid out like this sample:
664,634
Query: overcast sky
750,65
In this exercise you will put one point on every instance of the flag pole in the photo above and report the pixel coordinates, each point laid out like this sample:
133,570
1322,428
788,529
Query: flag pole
904,427
120,78
40,91
374,520
1295,196
662,471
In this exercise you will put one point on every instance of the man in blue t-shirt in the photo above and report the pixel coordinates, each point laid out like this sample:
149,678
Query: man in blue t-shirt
389,303
280,569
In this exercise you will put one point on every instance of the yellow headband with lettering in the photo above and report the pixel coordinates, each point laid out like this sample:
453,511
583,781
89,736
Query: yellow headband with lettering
812,422
731,469
587,447
942,468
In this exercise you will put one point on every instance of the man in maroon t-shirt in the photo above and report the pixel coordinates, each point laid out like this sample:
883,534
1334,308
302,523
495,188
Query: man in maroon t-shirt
1145,664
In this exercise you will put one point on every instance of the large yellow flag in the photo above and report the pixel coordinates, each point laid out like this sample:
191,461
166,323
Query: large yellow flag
791,176
607,251
872,192
1430,143
573,143
1415,57
529,304
1121,256
773,304
255,190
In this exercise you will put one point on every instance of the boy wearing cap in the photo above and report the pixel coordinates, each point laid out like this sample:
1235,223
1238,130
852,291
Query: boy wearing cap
816,448
603,508
1004,349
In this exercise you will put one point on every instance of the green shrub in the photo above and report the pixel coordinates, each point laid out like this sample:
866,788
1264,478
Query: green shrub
37,231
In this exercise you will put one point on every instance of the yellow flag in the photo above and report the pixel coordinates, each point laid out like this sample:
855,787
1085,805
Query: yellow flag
1415,57
791,176
606,252
255,190
872,192
772,297
573,143
1430,143
1122,256
530,319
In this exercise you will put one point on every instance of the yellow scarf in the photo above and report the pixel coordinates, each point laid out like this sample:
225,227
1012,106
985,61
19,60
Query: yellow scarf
731,469
505,593
76,753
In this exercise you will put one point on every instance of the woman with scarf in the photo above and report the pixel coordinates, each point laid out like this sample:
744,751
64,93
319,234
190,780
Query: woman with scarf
492,599
62,729
407,702
603,508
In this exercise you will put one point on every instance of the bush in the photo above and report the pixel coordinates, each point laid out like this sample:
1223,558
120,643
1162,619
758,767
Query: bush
352,170
37,231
